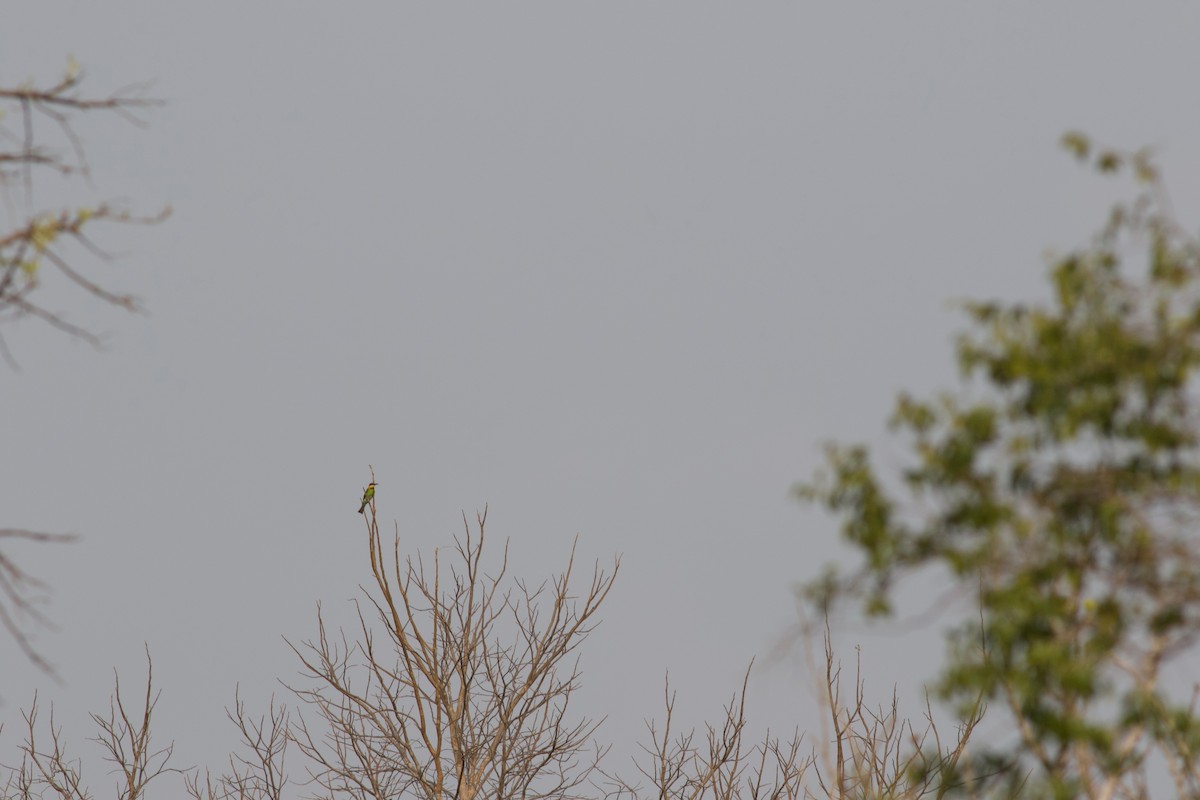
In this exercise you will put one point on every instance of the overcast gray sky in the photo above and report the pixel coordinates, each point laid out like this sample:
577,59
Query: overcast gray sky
616,269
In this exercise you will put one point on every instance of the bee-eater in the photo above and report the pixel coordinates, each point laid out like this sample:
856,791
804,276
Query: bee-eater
368,496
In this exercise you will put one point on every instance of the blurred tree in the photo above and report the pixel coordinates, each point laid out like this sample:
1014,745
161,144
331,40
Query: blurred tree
1060,491
37,136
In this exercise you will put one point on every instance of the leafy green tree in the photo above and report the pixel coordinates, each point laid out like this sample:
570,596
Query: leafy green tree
1060,491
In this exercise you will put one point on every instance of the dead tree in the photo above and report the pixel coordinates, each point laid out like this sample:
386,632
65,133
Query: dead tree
454,683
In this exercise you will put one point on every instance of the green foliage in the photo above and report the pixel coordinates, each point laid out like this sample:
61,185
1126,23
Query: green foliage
1061,492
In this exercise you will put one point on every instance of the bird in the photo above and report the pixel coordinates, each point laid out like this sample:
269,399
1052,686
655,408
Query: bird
368,496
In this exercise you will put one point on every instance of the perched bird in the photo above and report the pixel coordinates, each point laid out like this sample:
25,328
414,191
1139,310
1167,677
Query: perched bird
368,496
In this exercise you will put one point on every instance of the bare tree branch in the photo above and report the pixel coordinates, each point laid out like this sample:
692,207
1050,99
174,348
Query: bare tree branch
23,249
20,594
36,241
455,682
124,737
260,773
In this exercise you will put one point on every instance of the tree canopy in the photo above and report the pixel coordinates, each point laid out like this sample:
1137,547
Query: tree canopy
1059,489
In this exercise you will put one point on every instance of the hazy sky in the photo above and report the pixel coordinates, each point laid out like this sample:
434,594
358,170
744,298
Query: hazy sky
616,269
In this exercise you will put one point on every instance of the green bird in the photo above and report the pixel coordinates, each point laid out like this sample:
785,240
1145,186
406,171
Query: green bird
368,496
